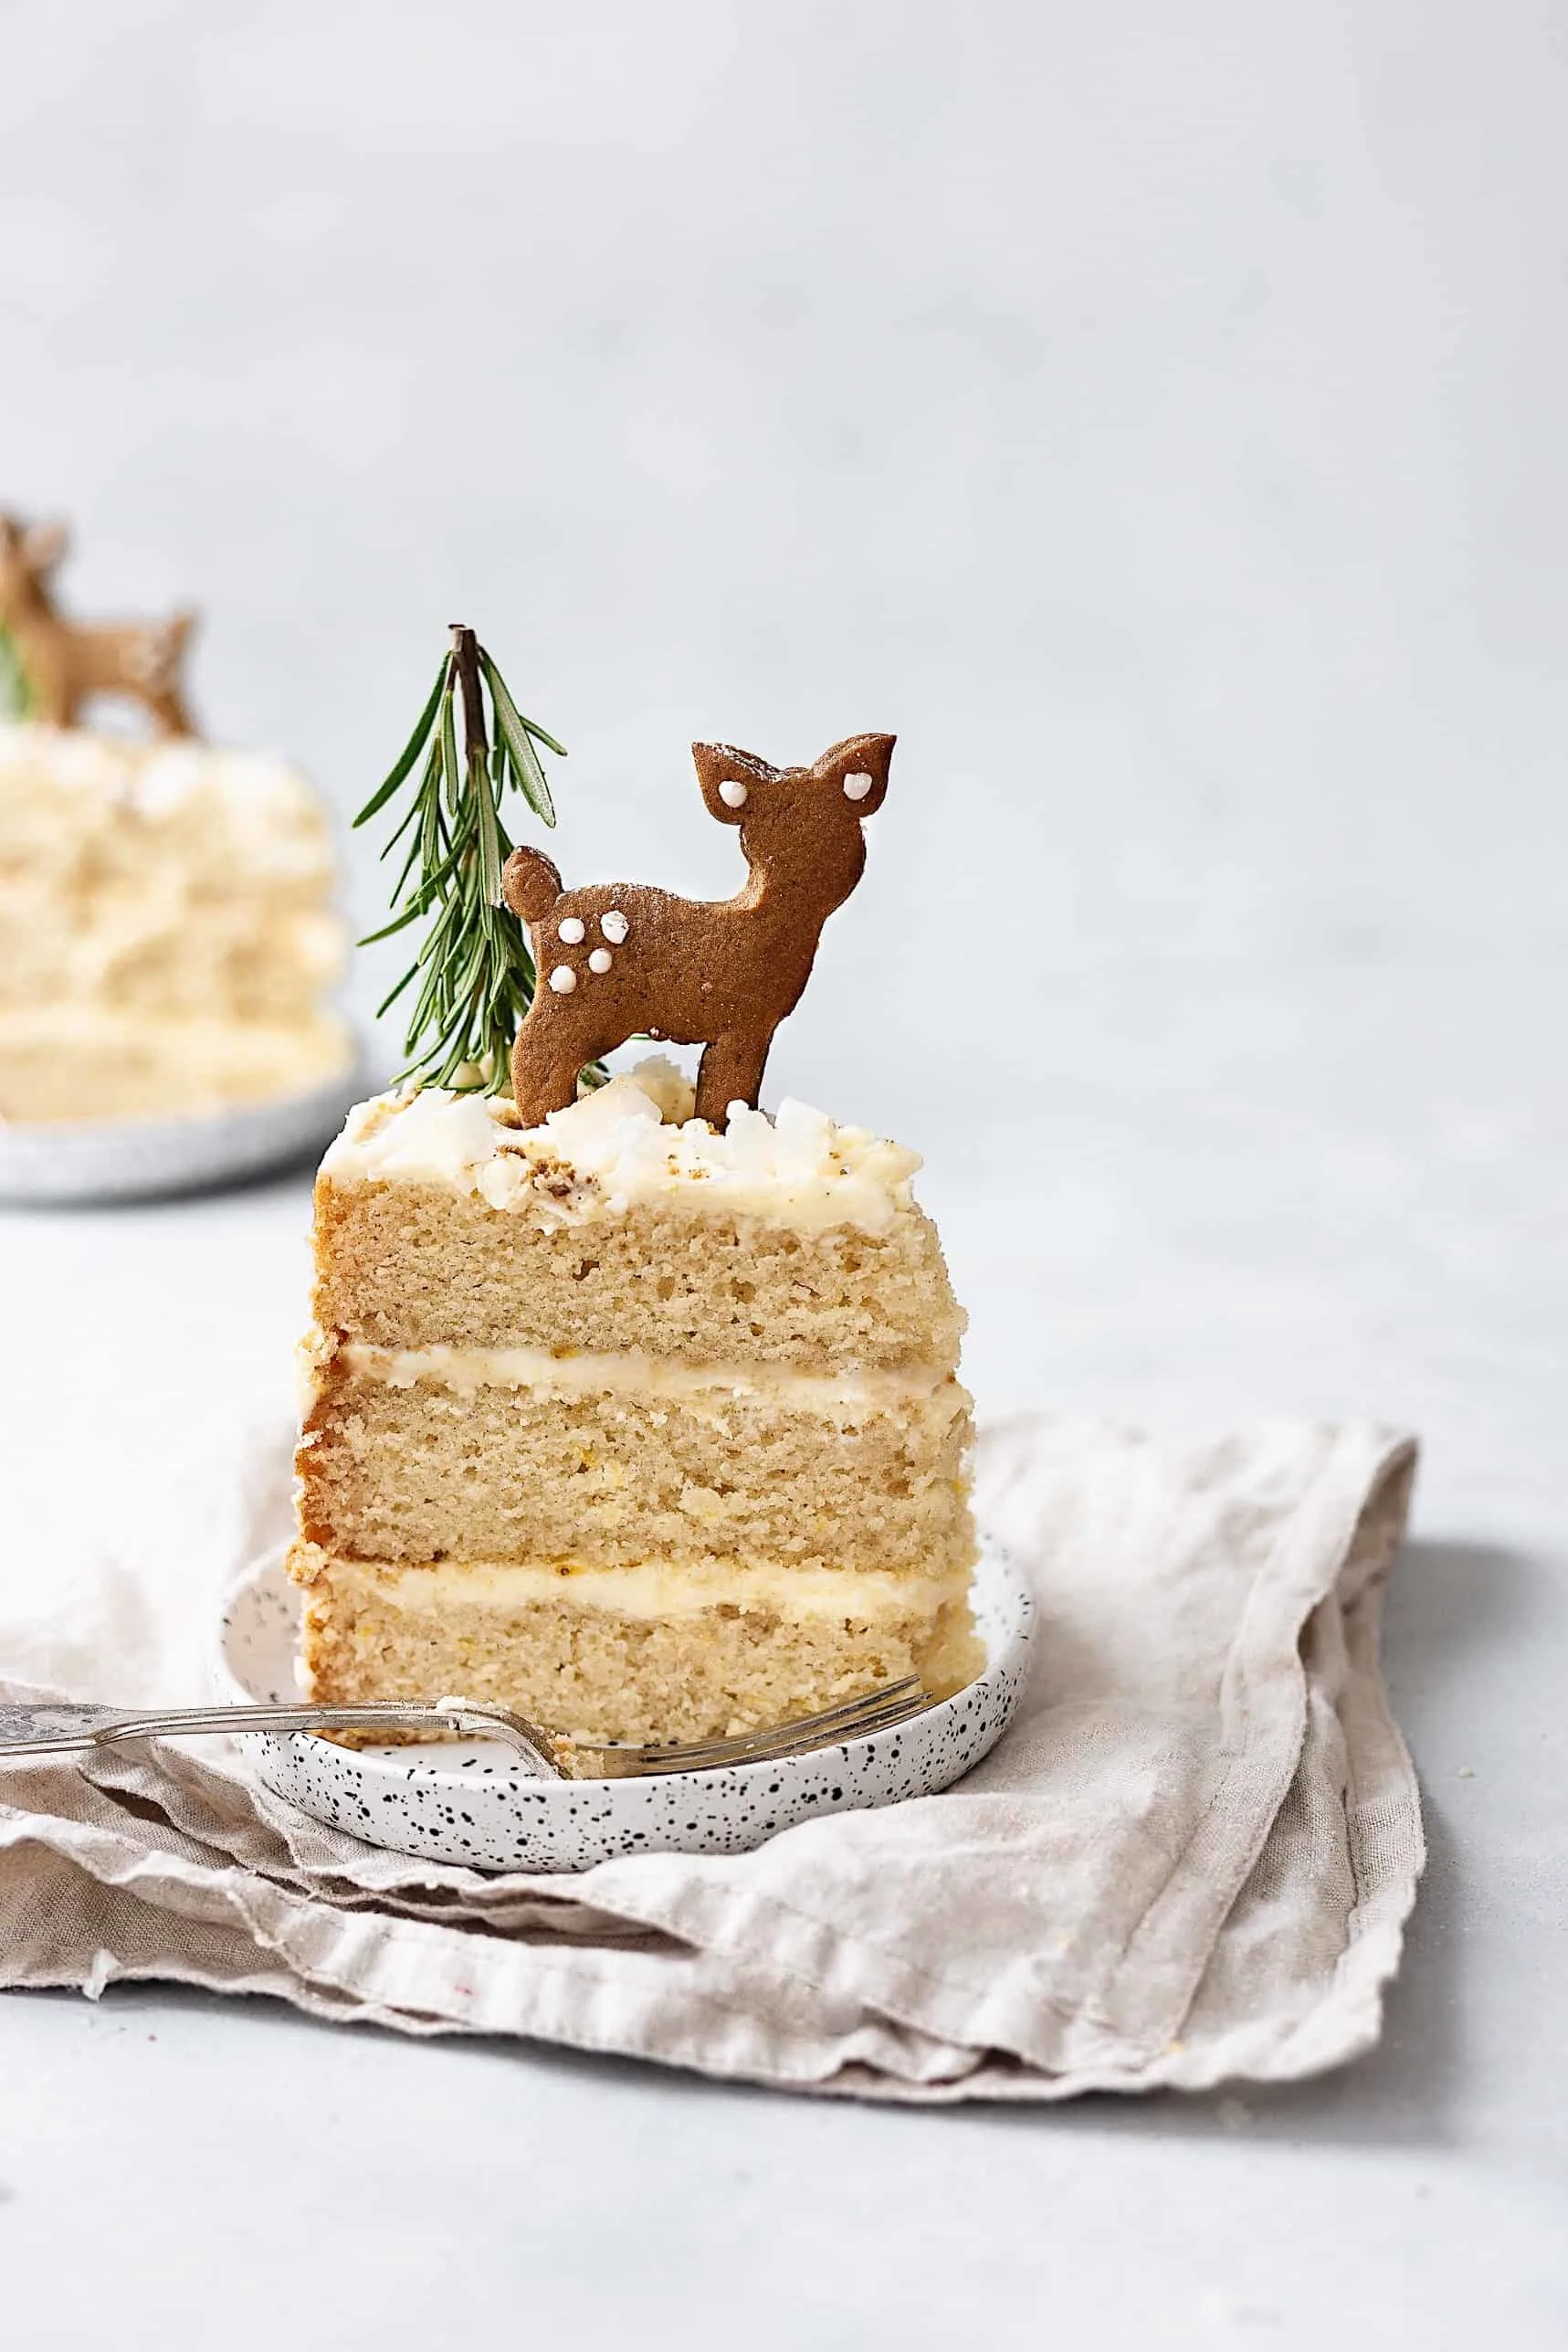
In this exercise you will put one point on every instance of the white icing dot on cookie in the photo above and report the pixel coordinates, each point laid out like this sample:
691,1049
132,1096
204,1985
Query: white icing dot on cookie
614,925
600,960
563,979
572,930
733,792
855,788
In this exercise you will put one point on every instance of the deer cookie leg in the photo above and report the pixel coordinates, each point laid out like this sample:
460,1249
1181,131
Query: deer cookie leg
168,714
730,1071
545,1062
55,703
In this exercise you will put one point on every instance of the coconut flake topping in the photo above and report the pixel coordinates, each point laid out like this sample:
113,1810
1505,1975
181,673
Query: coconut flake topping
632,1142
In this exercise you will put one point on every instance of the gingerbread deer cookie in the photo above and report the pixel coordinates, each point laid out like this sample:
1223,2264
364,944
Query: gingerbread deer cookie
64,664
619,959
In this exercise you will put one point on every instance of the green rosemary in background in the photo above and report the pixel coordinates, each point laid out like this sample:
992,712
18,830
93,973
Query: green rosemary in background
15,689
474,974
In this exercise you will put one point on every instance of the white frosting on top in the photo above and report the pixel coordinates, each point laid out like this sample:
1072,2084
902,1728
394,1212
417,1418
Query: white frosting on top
271,807
632,1142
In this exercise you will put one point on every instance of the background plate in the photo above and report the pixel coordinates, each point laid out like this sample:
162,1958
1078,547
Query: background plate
133,1159
468,1801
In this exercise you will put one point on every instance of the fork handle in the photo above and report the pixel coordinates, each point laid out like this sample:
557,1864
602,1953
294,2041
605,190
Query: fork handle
64,1728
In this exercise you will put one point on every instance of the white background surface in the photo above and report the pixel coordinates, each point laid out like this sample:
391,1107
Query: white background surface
1154,415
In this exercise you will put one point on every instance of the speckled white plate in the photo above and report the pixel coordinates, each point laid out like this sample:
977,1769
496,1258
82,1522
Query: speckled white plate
469,1802
134,1159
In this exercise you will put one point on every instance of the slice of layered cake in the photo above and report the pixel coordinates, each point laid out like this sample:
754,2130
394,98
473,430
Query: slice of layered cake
627,1406
648,1430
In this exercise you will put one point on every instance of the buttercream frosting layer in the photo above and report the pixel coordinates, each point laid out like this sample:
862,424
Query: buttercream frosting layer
631,1143
667,1589
632,1373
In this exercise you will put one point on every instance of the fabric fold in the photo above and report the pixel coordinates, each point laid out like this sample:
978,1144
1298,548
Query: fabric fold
1190,1860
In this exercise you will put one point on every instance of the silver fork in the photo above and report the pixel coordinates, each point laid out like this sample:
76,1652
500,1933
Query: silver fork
60,1727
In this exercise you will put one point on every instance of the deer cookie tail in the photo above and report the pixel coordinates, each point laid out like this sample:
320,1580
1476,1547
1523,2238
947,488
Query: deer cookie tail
530,884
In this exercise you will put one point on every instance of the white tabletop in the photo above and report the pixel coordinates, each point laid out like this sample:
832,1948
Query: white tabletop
1372,1223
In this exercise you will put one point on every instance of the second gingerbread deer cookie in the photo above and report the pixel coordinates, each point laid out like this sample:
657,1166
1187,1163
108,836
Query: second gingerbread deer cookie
619,959
65,665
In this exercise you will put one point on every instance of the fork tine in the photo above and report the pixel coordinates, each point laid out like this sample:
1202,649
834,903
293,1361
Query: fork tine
872,1707
882,1718
871,1711
825,1724
825,1719
787,1742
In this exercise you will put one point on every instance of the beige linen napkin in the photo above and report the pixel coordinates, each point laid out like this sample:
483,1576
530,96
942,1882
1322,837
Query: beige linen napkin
1190,1859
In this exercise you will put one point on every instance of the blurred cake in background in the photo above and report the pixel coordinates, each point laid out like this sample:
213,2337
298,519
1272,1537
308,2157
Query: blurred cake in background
167,929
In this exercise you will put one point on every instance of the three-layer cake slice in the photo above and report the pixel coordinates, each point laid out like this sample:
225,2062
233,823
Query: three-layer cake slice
649,1430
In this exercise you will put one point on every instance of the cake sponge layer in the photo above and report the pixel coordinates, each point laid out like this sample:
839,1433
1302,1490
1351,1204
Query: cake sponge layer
412,1265
734,1665
418,1471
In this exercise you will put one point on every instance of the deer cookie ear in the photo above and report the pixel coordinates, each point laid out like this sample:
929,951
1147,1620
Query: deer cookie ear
43,547
728,778
858,768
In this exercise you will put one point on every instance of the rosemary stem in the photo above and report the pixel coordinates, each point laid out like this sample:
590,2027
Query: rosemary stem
466,654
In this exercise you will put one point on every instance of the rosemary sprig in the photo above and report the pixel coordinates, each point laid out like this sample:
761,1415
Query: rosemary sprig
474,975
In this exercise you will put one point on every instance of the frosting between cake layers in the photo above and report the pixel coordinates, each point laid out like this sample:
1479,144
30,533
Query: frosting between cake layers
673,1590
629,1144
631,1372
